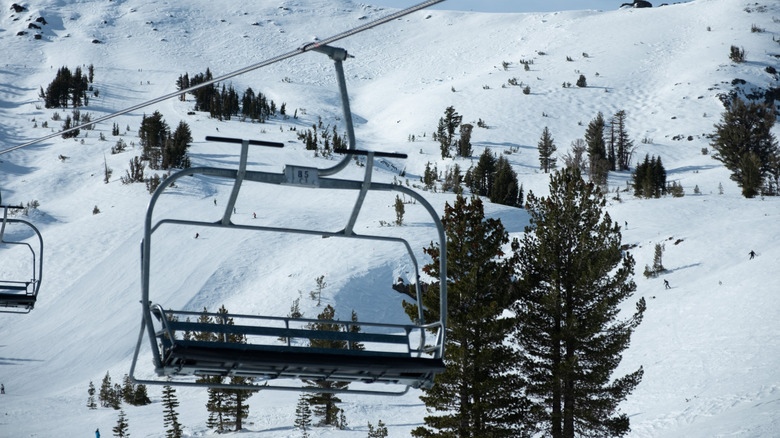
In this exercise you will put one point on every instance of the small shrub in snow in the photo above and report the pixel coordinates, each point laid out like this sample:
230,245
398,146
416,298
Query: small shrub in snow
737,54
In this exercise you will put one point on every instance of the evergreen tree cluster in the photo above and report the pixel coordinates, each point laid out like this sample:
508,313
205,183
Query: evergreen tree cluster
162,149
445,134
620,144
609,146
322,139
649,178
227,408
573,275
380,431
325,404
744,143
113,395
225,102
535,336
68,88
494,177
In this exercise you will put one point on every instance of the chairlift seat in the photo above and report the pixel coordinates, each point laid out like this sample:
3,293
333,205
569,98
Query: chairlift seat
263,361
16,295
374,363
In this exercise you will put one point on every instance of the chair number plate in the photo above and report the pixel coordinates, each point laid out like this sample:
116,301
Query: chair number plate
301,176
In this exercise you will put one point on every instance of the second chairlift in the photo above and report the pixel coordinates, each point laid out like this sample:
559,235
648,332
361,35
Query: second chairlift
19,289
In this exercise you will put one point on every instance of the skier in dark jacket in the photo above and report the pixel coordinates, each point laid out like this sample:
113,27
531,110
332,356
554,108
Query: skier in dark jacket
752,254
666,284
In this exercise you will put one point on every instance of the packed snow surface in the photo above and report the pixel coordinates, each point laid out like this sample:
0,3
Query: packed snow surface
710,345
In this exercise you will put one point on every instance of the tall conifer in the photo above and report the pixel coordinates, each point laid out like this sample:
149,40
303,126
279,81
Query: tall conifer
745,128
170,416
573,278
546,150
325,403
122,426
477,396
91,399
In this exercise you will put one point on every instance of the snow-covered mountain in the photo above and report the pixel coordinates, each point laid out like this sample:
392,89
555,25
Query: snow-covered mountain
710,346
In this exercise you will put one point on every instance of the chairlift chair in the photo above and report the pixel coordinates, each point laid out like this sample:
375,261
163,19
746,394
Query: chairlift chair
401,355
409,355
19,292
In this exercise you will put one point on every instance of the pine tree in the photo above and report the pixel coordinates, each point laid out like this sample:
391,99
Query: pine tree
91,399
116,397
69,123
649,178
573,277
174,153
399,211
325,403
752,178
153,134
106,391
379,432
303,415
215,405
576,157
746,128
659,177
141,396
170,416
446,130
597,150
658,265
128,390
476,396
481,178
546,150
227,407
122,426
464,142
430,176
505,189
624,145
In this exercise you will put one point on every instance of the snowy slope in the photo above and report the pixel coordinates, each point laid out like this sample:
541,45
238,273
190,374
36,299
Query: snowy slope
709,346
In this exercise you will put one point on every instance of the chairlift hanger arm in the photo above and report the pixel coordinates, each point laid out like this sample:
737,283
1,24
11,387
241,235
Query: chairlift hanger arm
303,49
